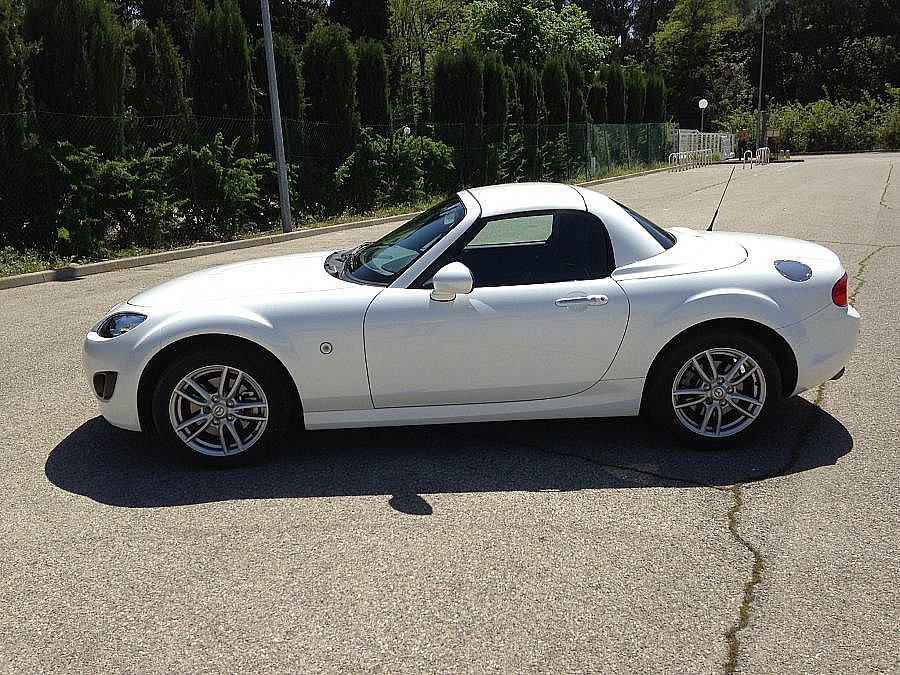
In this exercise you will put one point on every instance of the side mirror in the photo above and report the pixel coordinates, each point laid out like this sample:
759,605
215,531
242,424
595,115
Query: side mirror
450,280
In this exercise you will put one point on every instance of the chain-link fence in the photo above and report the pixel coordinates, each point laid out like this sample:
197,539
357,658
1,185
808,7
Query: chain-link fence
83,185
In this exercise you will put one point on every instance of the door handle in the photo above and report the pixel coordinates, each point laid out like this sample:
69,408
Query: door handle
582,300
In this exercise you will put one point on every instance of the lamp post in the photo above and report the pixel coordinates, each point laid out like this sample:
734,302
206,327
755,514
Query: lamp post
762,51
702,103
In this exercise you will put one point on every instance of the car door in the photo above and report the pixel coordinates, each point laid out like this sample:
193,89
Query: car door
544,319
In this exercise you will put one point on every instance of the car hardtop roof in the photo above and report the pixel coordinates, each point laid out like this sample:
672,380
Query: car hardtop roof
520,197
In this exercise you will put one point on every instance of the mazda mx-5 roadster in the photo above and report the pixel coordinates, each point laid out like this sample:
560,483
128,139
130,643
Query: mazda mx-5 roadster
505,302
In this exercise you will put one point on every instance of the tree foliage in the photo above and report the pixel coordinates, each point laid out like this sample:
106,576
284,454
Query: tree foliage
532,31
364,18
530,93
177,15
688,48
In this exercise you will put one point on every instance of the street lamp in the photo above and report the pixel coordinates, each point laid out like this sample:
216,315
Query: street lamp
702,103
762,50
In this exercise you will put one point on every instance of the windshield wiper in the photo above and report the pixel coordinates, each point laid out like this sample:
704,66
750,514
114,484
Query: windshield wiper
351,256
340,262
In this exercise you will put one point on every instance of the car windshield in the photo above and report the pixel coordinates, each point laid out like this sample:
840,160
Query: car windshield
384,260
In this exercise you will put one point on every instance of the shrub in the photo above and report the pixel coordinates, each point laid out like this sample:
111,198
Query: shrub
222,191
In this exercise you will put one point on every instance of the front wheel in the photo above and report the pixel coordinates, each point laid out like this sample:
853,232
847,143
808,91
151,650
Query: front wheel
715,391
219,407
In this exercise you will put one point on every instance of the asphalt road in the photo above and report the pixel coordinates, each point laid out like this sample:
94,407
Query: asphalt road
571,546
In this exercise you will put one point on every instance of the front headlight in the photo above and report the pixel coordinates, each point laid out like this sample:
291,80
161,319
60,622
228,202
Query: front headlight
117,324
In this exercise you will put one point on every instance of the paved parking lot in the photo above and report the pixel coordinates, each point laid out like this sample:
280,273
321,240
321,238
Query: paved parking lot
570,546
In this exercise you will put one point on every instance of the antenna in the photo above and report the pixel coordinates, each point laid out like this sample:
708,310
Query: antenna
709,229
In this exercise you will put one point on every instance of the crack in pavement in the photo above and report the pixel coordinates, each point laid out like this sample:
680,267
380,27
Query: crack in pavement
758,567
887,183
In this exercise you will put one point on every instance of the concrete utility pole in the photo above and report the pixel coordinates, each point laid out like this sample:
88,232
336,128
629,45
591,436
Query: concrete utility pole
762,50
283,194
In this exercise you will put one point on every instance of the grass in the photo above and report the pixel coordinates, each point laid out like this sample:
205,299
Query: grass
14,262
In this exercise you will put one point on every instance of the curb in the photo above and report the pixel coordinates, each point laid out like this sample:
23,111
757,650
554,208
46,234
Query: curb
75,271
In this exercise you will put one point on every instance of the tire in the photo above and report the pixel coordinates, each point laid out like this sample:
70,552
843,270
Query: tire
221,408
714,391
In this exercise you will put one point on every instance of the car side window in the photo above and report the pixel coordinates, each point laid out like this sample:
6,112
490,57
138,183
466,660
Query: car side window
537,249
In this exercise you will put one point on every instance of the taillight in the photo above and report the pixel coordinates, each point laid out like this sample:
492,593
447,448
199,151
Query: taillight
839,292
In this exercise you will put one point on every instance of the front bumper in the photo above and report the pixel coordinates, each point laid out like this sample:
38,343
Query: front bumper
119,356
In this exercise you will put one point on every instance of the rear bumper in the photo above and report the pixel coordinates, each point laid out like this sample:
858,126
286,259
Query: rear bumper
823,344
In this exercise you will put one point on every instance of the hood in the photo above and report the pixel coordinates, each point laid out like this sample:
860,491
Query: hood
301,273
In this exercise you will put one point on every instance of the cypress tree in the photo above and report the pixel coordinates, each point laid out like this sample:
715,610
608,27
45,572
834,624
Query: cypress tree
372,83
577,105
615,94
531,95
458,87
13,73
596,102
177,15
223,80
555,82
80,68
290,93
655,105
289,76
496,101
222,70
531,100
635,93
329,72
158,87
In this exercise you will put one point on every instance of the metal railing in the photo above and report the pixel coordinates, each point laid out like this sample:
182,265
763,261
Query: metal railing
681,161
685,140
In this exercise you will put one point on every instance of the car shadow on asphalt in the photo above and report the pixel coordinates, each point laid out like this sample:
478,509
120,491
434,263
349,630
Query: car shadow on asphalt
127,469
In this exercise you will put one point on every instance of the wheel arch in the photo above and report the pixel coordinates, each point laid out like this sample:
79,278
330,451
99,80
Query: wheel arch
778,347
161,359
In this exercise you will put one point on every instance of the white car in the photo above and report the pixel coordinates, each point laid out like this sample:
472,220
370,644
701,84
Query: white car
505,302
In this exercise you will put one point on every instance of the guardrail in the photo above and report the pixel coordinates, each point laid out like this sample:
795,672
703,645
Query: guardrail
681,161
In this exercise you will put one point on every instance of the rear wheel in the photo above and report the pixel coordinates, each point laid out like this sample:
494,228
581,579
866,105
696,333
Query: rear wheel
219,407
715,391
